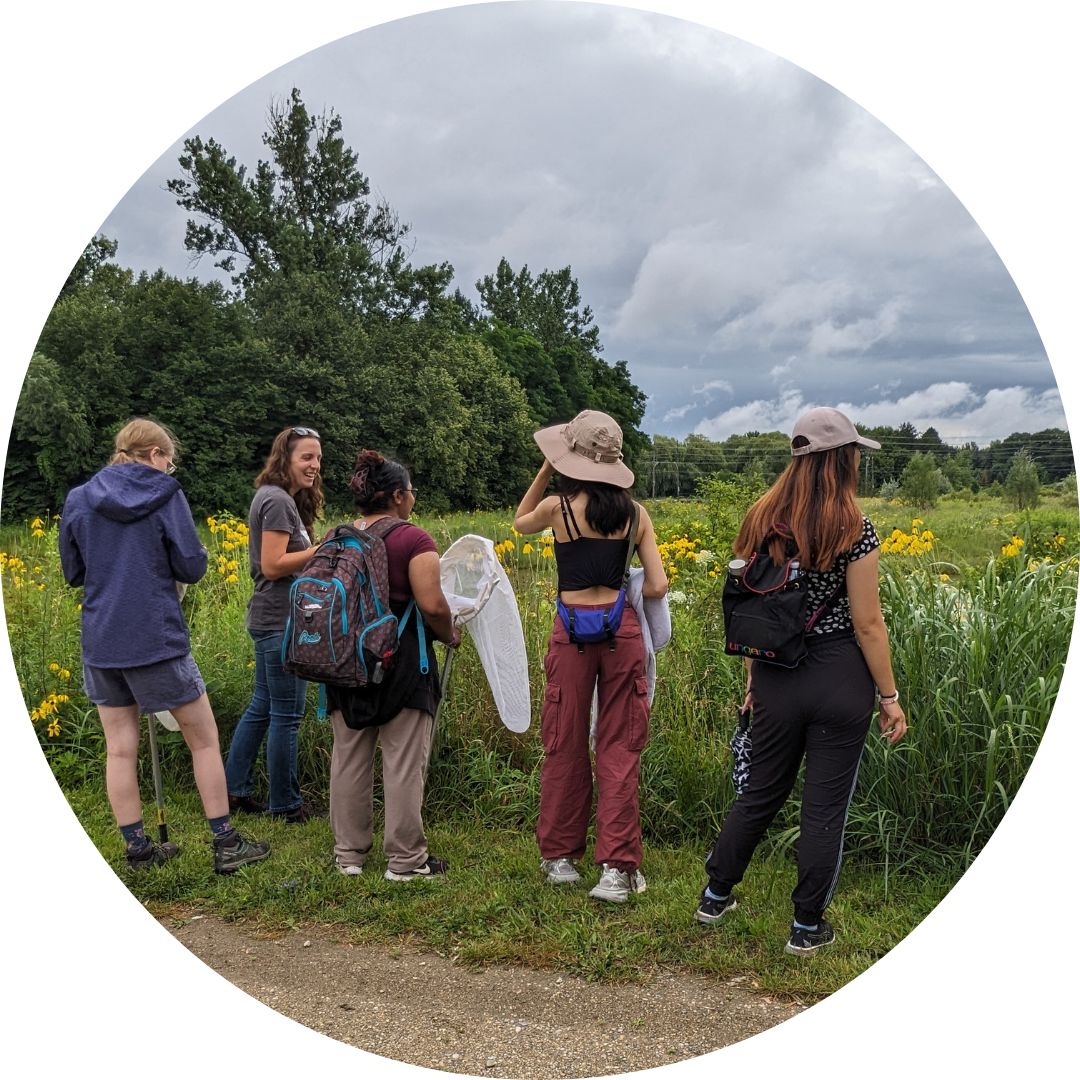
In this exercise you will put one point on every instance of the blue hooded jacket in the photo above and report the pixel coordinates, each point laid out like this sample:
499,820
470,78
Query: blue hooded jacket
127,536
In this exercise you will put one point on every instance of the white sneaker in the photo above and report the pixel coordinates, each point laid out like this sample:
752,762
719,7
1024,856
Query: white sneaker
560,871
350,871
616,885
431,868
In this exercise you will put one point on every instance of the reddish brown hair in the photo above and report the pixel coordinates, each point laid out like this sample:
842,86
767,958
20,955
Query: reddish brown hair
813,502
309,501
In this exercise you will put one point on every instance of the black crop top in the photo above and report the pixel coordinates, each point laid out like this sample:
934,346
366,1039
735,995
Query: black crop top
584,562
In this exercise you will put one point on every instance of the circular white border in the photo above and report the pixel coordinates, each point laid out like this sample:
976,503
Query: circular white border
96,92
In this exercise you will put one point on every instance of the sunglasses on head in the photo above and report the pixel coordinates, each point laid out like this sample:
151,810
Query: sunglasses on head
306,432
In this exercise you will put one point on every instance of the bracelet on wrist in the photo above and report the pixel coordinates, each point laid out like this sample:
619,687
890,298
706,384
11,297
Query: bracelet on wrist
889,699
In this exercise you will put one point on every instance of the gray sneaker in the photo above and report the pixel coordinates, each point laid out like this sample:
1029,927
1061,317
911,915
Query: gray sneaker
616,885
228,858
152,855
560,871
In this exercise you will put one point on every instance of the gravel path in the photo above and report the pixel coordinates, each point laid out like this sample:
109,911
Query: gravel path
495,1021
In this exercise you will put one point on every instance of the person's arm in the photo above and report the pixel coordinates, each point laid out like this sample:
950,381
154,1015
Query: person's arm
71,560
862,588
533,514
426,587
186,554
276,561
655,584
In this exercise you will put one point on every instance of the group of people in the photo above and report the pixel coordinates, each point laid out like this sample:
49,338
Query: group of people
127,536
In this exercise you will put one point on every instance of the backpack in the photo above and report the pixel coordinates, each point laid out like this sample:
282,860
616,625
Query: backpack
766,609
341,630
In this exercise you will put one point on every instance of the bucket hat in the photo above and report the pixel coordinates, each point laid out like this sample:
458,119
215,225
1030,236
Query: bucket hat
826,429
588,448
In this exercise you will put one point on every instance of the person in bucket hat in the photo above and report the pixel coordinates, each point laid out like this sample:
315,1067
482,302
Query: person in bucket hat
820,710
589,448
596,527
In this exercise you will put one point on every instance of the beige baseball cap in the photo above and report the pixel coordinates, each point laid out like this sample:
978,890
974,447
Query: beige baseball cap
588,448
826,429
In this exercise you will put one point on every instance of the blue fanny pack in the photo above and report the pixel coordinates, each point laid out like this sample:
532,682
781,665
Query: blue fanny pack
586,626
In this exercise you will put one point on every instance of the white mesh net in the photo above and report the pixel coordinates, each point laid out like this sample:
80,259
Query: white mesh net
481,598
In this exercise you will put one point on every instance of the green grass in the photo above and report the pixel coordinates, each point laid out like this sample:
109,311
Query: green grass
494,906
979,644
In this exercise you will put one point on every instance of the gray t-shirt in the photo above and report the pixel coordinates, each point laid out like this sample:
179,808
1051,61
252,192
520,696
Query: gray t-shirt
272,510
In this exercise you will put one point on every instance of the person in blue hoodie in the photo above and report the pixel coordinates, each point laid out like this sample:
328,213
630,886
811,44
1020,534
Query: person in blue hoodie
128,538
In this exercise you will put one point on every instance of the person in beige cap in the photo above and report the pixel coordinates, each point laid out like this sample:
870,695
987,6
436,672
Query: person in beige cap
819,711
592,517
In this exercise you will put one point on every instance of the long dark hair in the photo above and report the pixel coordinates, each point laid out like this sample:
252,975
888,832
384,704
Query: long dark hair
375,479
309,501
815,498
607,507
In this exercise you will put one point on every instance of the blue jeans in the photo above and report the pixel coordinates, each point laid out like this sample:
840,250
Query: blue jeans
275,713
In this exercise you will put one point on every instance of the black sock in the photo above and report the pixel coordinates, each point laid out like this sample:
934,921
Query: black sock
135,837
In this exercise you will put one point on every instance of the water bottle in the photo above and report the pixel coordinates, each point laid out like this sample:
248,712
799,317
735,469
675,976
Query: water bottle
793,572
736,567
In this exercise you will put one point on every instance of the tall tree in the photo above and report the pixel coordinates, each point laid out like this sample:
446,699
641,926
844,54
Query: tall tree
549,309
1022,482
307,210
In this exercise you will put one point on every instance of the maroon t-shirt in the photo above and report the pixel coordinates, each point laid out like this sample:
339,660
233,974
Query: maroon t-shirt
403,544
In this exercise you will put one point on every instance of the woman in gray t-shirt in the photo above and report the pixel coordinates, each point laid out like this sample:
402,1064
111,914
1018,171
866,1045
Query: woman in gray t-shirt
287,500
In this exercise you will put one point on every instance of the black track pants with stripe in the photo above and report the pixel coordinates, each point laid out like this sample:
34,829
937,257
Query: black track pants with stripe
820,710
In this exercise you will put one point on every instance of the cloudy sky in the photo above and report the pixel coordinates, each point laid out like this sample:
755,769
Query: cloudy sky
751,242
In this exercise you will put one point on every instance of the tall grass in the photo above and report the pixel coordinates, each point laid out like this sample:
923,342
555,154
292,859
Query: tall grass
978,658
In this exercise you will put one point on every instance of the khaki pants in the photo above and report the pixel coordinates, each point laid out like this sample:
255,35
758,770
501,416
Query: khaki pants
405,742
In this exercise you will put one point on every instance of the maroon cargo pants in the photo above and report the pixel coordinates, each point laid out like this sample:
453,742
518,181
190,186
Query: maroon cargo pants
622,729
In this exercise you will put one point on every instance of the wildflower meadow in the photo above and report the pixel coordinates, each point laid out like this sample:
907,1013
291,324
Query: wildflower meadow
980,605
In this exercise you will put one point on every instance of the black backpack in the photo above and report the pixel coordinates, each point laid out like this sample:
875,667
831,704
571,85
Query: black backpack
766,609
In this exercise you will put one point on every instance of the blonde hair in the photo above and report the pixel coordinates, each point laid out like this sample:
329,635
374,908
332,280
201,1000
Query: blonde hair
138,437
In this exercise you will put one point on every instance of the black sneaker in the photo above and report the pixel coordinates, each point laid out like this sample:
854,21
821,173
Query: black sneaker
431,868
710,911
246,804
804,942
230,857
152,855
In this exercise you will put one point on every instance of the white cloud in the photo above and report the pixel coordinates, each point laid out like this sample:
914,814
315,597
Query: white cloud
677,413
828,338
715,384
957,410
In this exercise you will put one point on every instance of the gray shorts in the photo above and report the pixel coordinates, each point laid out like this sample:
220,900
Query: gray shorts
167,684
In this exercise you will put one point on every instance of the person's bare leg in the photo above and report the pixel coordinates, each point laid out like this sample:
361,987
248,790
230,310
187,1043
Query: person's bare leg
199,728
121,726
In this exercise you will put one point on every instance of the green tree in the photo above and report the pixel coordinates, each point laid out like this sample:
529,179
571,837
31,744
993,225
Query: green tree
308,210
548,308
1022,481
922,481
